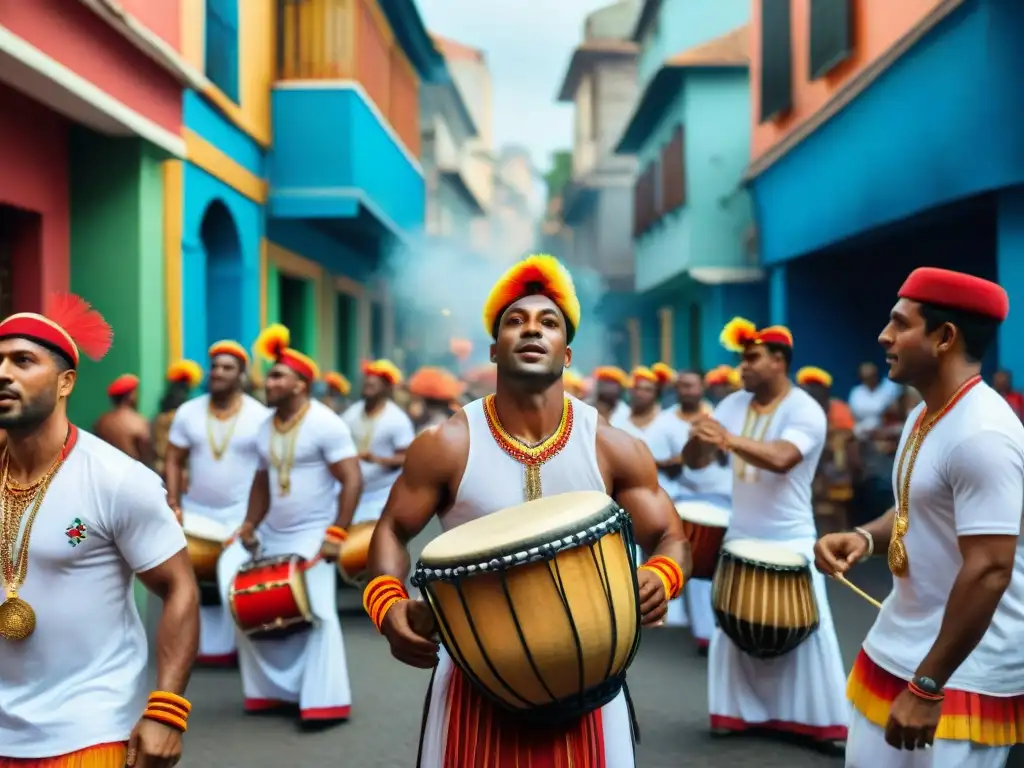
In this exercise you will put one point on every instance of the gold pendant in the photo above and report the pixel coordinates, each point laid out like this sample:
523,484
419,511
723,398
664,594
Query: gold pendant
900,526
285,484
898,562
17,618
533,485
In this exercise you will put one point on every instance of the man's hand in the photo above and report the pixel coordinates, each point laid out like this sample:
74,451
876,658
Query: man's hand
330,550
410,629
247,535
709,431
176,509
912,722
836,553
653,600
153,745
368,457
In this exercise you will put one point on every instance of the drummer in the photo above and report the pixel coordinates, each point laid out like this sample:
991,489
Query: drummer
213,438
434,389
775,433
610,384
337,389
526,441
382,432
295,508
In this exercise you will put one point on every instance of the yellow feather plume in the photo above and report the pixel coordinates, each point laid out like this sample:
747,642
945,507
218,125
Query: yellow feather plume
737,333
813,375
338,383
272,341
185,372
537,274
664,372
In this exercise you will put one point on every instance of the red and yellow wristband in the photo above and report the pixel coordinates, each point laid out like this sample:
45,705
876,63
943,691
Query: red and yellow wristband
669,572
380,594
336,534
168,708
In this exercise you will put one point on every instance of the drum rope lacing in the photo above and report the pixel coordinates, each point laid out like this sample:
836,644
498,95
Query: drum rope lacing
899,563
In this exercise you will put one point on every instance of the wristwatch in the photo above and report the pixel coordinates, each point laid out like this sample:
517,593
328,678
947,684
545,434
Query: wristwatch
927,686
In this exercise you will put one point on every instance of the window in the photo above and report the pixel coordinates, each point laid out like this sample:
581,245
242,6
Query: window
221,57
696,334
644,199
673,173
377,330
831,35
292,309
776,59
345,336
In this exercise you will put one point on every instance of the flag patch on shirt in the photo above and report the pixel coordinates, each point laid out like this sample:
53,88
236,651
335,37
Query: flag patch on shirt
76,532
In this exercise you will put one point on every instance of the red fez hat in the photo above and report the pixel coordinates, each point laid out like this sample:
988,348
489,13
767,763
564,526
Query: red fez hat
68,325
956,290
232,348
122,385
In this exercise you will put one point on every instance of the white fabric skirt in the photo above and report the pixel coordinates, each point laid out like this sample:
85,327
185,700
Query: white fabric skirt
866,748
702,615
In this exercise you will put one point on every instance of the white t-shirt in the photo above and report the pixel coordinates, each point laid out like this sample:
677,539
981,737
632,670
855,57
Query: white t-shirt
389,433
310,505
665,437
78,680
713,482
868,405
968,480
219,489
766,505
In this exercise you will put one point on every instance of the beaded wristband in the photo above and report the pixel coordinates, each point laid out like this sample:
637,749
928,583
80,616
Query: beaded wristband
336,533
168,708
380,594
921,694
172,699
159,716
669,572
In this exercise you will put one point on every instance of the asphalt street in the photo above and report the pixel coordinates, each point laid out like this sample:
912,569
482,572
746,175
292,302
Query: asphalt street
667,681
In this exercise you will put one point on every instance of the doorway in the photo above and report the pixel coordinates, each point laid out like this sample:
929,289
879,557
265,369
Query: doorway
345,334
223,249
292,309
20,247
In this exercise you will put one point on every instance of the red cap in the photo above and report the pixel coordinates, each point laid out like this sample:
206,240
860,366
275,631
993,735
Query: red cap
956,290
122,385
69,324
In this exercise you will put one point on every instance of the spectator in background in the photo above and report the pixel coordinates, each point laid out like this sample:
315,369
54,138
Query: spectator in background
870,399
878,452
1002,383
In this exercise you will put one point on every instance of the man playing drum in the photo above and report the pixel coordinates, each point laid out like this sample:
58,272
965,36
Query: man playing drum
295,508
943,665
79,519
213,438
527,434
775,433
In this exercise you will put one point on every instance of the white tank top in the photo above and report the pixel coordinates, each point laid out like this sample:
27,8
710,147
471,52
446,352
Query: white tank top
493,480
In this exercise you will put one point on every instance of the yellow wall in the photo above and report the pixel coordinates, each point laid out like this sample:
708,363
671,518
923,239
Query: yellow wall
665,319
174,197
256,56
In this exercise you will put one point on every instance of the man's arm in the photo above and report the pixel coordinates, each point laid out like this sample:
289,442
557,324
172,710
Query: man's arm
347,473
805,431
177,634
987,475
175,459
144,444
635,488
259,500
880,530
697,454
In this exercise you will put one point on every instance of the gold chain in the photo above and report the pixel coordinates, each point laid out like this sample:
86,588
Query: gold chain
228,417
367,429
288,433
750,423
899,563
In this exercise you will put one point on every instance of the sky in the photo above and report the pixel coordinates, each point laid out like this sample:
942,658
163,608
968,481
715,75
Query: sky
528,46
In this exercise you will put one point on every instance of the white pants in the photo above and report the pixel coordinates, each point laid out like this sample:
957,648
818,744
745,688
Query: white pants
803,692
866,748
618,732
702,615
308,669
216,624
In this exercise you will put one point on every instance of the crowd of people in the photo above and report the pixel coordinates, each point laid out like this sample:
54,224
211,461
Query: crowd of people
258,505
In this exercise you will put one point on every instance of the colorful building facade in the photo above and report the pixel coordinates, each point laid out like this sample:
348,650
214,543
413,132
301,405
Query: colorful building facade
90,109
874,150
692,220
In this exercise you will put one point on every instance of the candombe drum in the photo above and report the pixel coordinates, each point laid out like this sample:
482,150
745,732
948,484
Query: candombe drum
537,604
269,599
763,597
355,553
206,539
705,526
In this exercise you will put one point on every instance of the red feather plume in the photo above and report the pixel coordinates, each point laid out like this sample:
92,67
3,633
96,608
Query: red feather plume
91,333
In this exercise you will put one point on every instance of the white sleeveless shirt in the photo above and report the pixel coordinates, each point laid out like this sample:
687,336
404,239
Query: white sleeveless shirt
493,480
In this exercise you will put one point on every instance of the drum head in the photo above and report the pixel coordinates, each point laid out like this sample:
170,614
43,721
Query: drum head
199,527
703,513
767,552
509,531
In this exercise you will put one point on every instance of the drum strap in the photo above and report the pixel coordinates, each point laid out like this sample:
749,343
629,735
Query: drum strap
634,724
426,715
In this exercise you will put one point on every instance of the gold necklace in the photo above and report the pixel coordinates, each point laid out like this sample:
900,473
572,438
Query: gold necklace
229,419
368,428
287,434
899,562
750,424
531,457
17,617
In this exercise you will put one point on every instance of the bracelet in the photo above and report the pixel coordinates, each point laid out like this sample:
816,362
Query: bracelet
870,539
380,594
336,534
921,694
669,572
168,708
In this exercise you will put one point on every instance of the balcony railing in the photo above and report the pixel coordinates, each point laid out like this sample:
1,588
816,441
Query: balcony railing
350,40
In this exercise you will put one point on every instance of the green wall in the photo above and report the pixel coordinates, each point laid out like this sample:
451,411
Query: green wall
117,263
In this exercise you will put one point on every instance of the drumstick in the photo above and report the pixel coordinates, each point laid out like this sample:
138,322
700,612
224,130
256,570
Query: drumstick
857,590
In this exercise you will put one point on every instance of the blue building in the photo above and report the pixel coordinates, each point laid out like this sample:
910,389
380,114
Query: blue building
878,152
692,229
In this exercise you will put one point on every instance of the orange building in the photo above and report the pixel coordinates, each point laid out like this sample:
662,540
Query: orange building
883,138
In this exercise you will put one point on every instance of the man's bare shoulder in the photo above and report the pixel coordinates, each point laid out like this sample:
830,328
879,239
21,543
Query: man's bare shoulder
617,444
442,448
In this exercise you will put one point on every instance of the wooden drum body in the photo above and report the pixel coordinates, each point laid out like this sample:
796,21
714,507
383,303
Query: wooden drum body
537,604
355,553
269,599
705,526
763,597
206,539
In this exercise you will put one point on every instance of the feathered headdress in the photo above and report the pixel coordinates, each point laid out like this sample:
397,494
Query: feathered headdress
185,372
385,369
664,373
228,347
539,274
272,345
812,375
68,325
740,333
337,383
642,373
611,373
723,374
433,383
122,385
